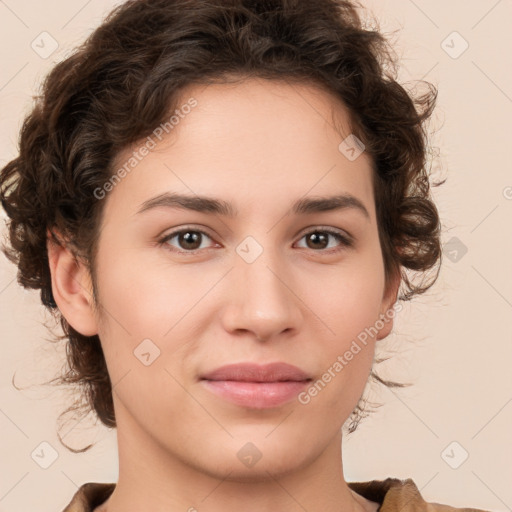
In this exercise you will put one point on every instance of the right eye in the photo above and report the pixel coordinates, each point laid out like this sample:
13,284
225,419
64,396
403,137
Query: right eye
188,238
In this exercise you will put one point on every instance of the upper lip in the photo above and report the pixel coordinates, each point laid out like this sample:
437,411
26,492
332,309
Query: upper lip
251,372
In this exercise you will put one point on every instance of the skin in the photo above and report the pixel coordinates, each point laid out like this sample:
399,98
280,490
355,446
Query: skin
260,145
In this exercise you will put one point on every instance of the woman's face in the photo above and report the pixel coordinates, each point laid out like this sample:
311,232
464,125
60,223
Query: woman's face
269,283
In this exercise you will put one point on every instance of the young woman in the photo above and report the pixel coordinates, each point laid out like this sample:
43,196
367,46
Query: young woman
223,202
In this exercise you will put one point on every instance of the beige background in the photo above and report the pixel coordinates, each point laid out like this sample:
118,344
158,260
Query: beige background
454,343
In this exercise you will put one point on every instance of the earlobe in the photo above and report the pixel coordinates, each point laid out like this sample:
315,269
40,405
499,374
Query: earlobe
387,313
71,288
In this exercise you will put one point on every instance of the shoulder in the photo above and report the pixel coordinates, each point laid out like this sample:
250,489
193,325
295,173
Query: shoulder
396,494
89,496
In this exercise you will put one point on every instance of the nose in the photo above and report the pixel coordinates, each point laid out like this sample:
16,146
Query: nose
262,298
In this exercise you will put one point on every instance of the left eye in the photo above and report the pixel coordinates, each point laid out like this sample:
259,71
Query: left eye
321,236
189,240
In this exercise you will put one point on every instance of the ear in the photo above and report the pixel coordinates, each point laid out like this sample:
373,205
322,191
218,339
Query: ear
387,312
71,287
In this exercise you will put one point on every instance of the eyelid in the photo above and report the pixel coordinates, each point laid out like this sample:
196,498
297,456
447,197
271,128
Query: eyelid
328,229
346,239
169,236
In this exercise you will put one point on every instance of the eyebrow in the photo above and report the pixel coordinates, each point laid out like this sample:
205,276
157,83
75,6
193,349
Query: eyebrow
211,205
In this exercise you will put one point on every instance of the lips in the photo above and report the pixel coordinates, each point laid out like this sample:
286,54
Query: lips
255,386
250,372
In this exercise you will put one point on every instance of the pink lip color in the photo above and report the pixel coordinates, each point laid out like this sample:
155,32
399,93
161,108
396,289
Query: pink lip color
256,395
256,386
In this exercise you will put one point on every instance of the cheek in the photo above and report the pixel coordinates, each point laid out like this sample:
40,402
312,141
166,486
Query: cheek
346,353
348,305
149,296
160,309
349,301
145,334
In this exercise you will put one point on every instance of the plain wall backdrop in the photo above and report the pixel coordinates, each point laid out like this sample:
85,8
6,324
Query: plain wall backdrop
451,430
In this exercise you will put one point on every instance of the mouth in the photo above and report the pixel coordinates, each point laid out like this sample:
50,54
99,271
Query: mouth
256,387
251,372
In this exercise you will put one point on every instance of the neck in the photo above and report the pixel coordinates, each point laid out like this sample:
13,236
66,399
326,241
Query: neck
152,478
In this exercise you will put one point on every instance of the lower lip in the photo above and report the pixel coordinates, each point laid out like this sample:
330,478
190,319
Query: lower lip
256,395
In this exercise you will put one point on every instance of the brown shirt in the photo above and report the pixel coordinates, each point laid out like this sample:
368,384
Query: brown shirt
392,494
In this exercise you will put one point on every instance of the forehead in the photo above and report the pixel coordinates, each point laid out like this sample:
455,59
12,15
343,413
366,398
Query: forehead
246,139
294,110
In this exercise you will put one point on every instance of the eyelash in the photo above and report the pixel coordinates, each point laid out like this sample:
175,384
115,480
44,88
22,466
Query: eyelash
345,241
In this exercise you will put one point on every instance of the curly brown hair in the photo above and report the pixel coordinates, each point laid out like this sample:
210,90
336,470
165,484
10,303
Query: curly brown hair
123,80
